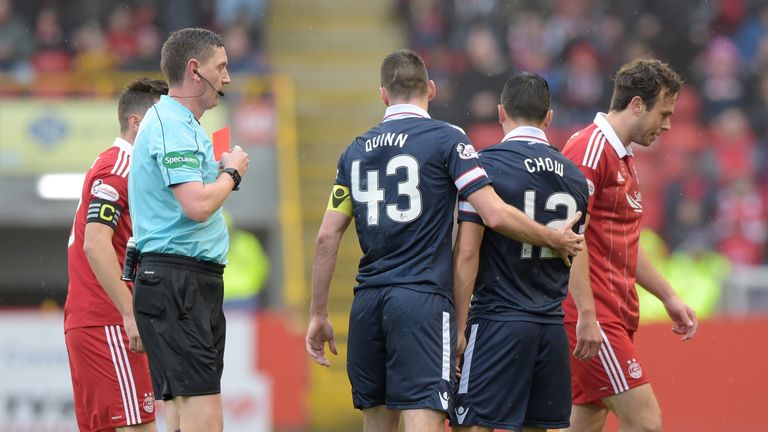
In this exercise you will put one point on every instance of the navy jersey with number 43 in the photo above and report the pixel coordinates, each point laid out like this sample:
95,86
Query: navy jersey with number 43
518,281
403,176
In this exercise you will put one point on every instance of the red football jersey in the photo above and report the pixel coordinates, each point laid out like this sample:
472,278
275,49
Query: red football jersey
104,199
612,236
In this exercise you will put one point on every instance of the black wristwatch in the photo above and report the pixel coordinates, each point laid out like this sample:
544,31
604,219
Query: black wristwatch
235,177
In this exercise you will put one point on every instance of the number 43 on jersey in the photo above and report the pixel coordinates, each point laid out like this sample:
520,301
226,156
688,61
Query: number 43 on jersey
372,195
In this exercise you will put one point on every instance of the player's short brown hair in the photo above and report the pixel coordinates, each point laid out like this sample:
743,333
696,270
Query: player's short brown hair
137,97
404,74
646,78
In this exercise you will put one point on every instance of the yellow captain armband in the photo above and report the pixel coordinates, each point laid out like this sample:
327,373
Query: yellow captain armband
340,201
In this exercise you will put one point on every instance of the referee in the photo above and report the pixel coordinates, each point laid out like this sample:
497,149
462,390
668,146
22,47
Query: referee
176,191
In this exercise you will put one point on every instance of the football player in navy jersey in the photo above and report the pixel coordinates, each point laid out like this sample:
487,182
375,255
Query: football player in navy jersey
399,181
515,370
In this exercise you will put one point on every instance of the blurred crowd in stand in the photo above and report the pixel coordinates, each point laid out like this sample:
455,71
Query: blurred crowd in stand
98,36
705,186
56,48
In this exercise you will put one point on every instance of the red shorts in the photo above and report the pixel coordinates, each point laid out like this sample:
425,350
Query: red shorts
614,370
111,384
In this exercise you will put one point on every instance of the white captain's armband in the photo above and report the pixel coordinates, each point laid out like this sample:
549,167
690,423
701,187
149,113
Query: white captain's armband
340,201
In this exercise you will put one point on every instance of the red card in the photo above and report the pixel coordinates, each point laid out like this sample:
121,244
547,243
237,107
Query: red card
220,142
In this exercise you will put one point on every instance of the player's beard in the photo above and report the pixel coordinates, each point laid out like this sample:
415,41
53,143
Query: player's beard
643,135
651,137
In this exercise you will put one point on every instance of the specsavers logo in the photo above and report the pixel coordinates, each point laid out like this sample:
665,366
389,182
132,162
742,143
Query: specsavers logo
181,159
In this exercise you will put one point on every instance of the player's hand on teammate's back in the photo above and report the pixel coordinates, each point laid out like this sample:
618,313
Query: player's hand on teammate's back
571,243
588,339
683,316
319,332
237,159
132,331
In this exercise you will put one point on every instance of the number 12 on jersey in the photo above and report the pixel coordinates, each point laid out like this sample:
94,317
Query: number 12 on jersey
373,195
553,202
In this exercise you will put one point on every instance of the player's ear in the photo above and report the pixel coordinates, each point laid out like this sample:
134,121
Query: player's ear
431,90
134,120
192,66
637,105
548,119
502,114
384,95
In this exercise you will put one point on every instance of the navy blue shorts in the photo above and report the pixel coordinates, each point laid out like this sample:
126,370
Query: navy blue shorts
514,374
401,349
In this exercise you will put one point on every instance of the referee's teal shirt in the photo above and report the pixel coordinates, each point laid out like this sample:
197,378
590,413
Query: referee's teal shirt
172,148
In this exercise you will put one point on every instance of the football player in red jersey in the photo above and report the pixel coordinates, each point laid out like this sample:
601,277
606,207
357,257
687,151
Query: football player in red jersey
644,96
110,375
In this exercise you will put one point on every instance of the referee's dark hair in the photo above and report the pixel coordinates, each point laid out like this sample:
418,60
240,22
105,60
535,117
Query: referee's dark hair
645,78
404,74
526,96
183,45
137,97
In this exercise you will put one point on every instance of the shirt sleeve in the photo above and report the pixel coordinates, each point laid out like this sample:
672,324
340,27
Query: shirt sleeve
341,171
582,196
575,150
340,200
177,151
467,213
464,166
108,199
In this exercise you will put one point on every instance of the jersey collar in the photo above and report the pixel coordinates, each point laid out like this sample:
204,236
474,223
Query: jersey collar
401,111
178,107
123,145
610,134
526,133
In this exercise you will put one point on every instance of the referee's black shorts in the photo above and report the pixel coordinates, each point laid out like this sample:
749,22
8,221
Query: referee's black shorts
177,303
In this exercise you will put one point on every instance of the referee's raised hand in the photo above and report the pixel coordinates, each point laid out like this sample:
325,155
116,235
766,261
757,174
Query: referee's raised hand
237,159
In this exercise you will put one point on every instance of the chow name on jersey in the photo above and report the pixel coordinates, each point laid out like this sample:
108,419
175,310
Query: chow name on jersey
544,164
386,140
